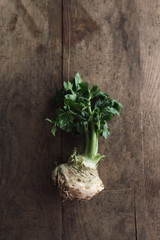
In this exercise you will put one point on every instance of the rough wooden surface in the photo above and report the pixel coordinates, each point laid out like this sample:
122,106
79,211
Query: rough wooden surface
108,55
112,53
116,45
149,15
30,63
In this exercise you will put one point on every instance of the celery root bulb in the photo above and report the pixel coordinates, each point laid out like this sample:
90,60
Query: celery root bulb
83,112
77,181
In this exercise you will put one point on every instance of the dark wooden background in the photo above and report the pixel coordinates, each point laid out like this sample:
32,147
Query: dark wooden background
112,43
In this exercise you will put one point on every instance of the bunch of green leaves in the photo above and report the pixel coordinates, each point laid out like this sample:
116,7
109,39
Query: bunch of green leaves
79,107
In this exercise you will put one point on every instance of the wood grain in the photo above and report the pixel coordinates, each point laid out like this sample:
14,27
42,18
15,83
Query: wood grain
110,215
30,73
109,57
114,44
149,14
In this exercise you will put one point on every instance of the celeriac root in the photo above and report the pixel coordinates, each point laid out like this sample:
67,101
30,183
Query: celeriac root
77,183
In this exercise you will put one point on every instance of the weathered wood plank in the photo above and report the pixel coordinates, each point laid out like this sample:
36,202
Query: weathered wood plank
107,55
110,215
30,64
103,59
114,44
149,23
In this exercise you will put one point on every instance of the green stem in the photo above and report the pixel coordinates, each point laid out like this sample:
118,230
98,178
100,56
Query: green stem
89,107
91,142
86,141
93,148
91,138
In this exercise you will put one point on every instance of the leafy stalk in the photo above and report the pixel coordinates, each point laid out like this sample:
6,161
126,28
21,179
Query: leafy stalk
86,141
93,148
84,112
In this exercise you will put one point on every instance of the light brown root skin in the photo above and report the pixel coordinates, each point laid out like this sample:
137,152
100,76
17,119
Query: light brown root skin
77,183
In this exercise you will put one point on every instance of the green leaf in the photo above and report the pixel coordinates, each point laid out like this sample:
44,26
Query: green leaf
78,80
84,87
83,100
106,116
49,120
68,86
103,95
63,118
98,103
94,91
117,105
65,85
53,130
112,110
71,97
78,107
105,131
